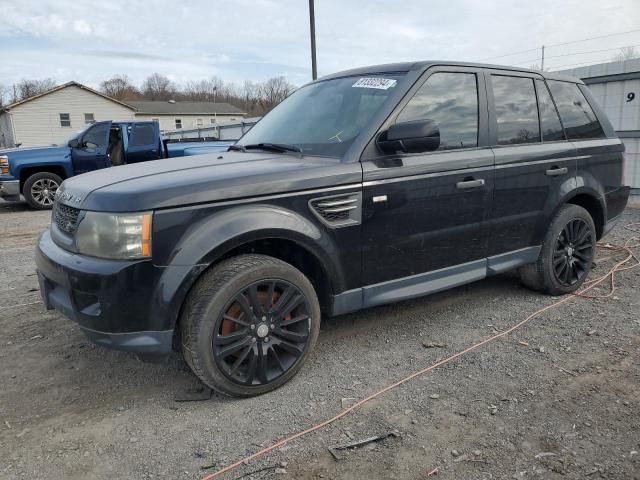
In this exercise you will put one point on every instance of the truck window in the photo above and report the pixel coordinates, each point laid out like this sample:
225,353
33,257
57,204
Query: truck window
141,135
96,135
516,109
577,116
551,126
451,100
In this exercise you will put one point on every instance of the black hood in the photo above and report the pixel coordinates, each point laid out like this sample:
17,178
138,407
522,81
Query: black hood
204,178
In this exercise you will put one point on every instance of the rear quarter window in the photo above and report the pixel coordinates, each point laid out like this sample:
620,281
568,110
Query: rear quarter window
577,116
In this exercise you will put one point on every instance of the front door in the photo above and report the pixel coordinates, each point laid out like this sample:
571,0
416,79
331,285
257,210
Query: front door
92,152
423,214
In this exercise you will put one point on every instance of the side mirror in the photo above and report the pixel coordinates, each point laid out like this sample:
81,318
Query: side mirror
410,137
74,143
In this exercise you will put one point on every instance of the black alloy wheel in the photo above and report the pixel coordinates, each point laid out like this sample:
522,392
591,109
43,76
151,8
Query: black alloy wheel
573,252
262,332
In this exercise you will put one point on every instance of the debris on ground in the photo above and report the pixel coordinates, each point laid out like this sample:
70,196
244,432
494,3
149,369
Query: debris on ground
360,443
194,395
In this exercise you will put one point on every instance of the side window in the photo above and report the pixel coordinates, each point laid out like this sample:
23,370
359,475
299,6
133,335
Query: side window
65,120
551,126
516,110
451,101
96,137
141,135
577,117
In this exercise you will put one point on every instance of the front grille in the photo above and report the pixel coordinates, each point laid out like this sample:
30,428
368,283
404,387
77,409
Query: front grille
65,217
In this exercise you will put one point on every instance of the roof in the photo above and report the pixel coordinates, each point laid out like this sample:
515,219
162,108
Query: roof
607,72
423,65
61,87
184,108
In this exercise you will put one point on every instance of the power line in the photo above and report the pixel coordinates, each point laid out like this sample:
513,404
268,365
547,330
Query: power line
559,44
572,54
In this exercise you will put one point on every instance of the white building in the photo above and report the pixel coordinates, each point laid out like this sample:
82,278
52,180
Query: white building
53,116
616,87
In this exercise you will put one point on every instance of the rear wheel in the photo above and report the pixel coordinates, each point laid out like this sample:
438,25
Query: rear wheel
249,324
40,189
567,253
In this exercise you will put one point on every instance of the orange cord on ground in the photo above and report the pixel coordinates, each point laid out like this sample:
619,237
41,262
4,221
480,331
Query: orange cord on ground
619,266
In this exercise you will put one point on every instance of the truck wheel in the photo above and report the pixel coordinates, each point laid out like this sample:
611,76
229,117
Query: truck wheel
567,253
40,189
249,324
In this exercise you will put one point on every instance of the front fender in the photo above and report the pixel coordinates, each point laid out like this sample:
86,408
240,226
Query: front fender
188,241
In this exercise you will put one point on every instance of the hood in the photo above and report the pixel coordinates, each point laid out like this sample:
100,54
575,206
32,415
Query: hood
34,152
201,179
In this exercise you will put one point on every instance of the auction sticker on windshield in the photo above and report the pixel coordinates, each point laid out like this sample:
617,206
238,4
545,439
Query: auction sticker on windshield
377,83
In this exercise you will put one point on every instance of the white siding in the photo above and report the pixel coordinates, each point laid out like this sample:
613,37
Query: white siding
613,98
37,122
632,162
6,130
168,122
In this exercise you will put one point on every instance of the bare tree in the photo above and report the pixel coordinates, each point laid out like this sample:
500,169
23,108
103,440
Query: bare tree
158,87
28,88
274,91
203,90
120,88
3,92
627,53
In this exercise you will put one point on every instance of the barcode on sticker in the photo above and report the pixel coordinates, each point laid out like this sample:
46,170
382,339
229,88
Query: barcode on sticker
377,83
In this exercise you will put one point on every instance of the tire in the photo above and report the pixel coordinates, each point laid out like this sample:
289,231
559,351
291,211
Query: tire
221,306
564,263
40,188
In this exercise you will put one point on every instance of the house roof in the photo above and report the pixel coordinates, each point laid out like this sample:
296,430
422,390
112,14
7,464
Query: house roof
61,87
184,108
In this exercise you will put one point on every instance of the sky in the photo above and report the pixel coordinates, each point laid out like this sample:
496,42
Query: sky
89,41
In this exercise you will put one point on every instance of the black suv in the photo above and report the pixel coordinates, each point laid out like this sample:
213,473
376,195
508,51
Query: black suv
366,187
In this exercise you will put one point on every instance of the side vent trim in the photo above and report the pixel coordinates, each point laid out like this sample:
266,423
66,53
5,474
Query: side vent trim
337,211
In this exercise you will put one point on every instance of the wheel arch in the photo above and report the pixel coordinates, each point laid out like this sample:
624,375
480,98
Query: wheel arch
594,205
26,172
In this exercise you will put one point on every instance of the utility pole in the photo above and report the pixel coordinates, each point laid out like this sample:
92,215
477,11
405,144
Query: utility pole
542,61
312,24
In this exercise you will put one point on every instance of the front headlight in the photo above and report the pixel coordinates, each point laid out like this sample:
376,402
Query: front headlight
4,165
115,235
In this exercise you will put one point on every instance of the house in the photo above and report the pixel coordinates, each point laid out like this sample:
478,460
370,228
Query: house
616,88
174,115
53,116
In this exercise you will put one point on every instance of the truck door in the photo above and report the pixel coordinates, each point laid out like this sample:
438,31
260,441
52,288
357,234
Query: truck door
424,214
144,142
92,152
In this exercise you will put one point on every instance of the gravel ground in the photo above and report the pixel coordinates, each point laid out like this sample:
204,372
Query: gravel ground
559,398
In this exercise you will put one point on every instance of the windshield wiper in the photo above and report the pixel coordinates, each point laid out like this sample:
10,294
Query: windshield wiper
274,147
236,148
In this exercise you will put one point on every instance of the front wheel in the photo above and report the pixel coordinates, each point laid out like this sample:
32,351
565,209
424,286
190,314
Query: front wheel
40,189
249,324
567,253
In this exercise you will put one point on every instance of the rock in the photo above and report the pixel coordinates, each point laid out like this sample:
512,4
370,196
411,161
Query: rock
493,409
133,440
541,349
455,453
591,332
434,396
414,421
280,471
283,464
433,345
348,402
85,454
477,453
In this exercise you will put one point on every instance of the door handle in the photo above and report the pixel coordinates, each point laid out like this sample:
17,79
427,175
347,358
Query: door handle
555,171
470,183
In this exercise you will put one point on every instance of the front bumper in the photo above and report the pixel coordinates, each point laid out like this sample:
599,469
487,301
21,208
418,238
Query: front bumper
10,189
116,303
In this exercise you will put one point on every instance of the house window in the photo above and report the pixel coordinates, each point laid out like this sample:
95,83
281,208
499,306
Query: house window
88,118
199,122
213,120
65,120
178,123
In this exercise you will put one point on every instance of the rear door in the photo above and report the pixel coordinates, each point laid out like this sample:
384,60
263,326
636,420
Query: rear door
423,214
92,153
535,166
144,142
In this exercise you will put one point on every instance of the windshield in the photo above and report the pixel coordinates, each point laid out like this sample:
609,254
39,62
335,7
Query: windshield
75,134
324,118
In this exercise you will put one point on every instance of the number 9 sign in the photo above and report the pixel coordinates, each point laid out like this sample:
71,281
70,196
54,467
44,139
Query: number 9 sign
630,96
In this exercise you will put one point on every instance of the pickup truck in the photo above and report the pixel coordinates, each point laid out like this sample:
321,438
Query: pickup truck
38,172
365,187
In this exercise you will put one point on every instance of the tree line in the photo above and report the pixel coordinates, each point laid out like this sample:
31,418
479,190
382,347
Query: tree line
255,98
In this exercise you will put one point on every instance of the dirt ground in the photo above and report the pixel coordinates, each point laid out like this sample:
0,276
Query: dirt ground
559,398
